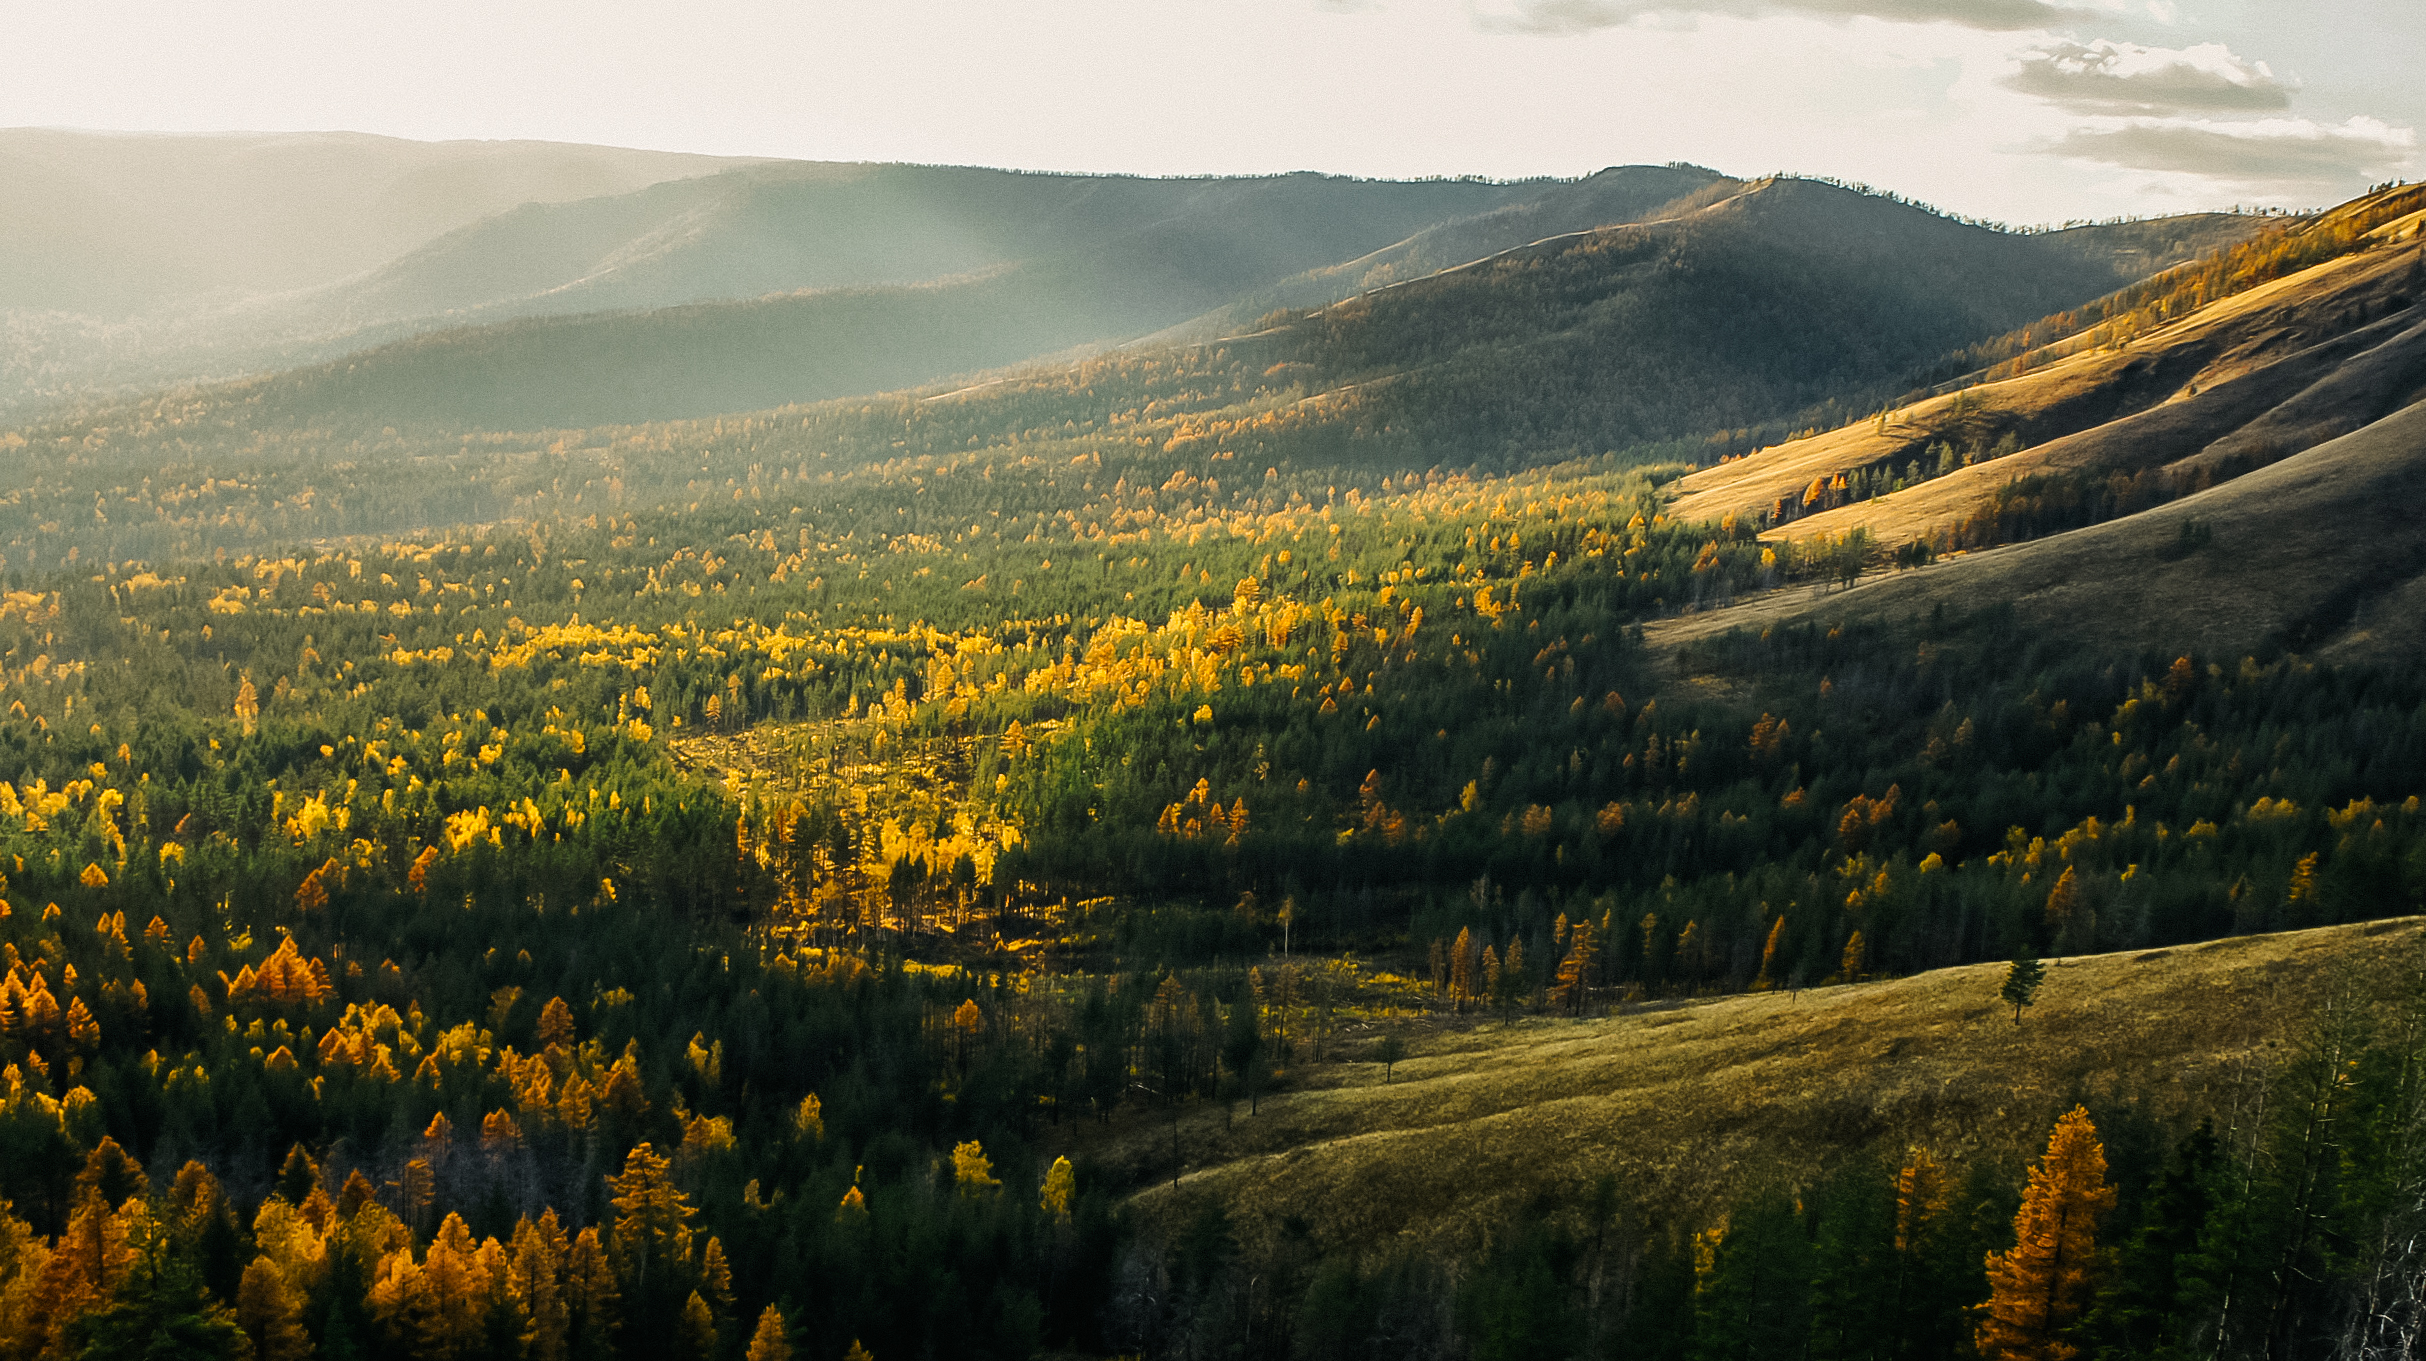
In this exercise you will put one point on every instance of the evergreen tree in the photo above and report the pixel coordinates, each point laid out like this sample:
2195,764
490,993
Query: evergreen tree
2139,1312
157,1308
2022,979
1755,1295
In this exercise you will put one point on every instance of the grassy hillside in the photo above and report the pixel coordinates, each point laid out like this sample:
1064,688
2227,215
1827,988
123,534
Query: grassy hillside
2260,351
1690,1104
2318,553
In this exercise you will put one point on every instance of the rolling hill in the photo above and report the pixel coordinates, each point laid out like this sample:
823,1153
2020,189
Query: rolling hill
2238,380
1689,1104
2233,480
1775,297
2320,553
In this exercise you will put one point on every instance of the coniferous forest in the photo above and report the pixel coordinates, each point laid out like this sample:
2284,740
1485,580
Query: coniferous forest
748,887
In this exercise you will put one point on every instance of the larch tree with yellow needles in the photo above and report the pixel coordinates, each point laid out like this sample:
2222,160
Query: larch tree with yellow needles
2041,1287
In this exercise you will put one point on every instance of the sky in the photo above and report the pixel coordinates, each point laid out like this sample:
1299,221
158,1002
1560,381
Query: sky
2022,111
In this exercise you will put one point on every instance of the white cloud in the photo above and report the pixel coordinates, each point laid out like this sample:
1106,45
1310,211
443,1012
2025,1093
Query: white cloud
2255,151
1587,16
2106,77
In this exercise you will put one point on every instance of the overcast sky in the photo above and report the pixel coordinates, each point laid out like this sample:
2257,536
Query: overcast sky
2021,110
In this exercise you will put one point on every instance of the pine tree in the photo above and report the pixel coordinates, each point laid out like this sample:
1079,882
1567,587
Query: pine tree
1242,1050
1755,1299
158,1307
2138,1314
2043,1286
2022,981
1854,1276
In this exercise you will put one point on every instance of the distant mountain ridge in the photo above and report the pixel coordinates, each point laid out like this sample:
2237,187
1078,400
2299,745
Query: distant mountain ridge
521,284
111,224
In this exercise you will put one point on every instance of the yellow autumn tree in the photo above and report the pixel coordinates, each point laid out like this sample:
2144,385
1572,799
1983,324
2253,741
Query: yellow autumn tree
2064,905
696,1338
270,1315
972,1171
1461,968
1060,1188
592,1299
1767,978
769,1342
652,1219
2041,1287
537,1279
1574,979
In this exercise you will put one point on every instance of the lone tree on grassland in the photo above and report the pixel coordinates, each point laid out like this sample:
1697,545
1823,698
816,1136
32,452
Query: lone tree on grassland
2022,981
1389,1052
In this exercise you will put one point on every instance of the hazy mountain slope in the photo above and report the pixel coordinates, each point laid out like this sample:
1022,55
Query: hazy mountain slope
756,231
782,228
1652,193
2321,552
1789,294
1621,194
1043,264
1747,310
2134,250
112,223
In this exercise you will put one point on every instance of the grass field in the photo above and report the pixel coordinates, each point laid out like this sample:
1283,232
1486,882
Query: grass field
1691,1104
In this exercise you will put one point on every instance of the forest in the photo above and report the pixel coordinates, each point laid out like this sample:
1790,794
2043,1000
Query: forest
690,889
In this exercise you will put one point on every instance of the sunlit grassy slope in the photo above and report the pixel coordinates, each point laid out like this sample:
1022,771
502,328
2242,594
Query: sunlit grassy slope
2234,382
1690,1105
2321,553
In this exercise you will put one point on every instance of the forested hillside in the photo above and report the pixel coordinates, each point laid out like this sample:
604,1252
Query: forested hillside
770,884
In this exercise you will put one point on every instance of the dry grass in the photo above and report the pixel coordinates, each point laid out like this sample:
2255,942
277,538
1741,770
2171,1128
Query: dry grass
2320,554
2228,379
1685,1105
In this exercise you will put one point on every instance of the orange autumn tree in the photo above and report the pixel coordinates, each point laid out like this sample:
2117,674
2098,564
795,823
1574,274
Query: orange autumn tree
2041,1287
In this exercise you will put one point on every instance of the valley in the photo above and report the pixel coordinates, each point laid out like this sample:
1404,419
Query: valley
987,764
